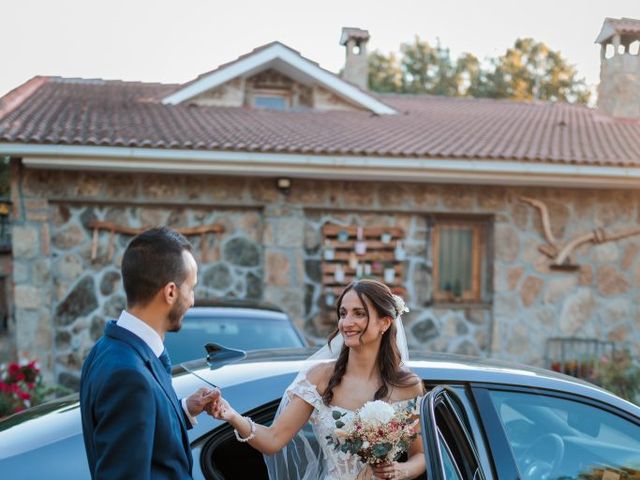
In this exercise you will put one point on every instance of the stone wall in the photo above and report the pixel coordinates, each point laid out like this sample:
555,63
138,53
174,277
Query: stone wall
239,92
7,338
270,250
89,291
231,94
323,99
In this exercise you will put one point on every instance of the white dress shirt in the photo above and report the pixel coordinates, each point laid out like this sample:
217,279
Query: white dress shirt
149,336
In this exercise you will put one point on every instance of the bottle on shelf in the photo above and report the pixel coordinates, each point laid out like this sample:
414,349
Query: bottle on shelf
338,274
361,245
329,253
399,252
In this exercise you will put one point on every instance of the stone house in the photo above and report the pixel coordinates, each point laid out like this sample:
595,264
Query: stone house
503,223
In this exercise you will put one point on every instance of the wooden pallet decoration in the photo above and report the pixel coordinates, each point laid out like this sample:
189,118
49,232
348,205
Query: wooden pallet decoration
352,252
113,228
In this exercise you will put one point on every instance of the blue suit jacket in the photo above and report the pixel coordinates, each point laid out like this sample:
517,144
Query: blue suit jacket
132,422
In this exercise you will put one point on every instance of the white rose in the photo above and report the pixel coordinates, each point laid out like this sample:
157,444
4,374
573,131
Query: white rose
376,413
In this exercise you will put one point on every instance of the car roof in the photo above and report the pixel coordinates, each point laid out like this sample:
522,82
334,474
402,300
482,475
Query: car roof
233,312
431,367
237,303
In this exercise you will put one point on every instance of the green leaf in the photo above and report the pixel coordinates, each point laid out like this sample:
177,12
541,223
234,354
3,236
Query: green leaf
380,450
336,415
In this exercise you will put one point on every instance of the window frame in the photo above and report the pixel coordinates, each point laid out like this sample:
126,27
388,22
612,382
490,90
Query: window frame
479,256
271,93
467,457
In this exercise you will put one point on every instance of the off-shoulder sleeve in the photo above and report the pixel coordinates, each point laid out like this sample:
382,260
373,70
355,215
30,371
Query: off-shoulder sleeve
308,392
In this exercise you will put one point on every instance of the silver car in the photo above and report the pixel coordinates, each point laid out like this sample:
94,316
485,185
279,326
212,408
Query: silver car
239,325
480,420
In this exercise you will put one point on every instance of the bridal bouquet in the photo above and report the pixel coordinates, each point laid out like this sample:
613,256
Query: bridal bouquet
377,433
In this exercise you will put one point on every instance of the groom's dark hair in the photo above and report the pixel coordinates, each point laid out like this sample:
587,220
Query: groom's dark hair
152,259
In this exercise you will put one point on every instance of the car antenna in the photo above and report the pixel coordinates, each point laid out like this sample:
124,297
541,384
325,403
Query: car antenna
217,355
188,370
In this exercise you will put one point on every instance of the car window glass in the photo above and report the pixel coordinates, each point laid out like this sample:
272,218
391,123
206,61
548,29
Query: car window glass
557,438
456,438
450,468
476,433
240,333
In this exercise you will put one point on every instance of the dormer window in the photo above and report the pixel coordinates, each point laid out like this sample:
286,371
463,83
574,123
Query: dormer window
271,102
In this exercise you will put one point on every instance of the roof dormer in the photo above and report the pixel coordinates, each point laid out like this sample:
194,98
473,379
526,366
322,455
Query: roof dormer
275,77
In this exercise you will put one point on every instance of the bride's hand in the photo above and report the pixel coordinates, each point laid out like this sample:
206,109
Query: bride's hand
391,471
221,409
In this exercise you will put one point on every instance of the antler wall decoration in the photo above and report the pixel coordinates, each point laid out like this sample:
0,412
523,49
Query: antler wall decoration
561,253
114,228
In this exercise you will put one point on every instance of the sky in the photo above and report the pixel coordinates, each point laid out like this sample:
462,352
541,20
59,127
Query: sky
174,41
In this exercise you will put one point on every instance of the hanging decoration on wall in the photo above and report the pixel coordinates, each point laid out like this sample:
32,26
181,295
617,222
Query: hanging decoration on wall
561,253
359,252
113,228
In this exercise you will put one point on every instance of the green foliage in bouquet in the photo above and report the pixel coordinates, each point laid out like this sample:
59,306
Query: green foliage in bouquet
377,433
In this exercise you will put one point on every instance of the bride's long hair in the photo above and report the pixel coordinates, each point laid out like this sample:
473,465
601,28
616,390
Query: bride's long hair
389,359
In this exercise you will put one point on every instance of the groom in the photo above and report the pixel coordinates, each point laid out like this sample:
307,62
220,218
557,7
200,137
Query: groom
133,424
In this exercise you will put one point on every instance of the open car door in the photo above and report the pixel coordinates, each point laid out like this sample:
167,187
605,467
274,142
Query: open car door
449,448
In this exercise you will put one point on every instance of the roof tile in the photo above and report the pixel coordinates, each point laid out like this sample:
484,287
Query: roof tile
115,113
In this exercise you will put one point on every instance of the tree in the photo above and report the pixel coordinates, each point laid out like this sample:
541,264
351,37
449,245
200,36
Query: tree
384,73
530,70
427,69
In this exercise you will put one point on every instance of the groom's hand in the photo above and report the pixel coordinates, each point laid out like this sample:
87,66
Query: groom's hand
221,409
201,399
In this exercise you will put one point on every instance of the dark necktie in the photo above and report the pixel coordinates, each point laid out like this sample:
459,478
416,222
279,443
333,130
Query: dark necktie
166,361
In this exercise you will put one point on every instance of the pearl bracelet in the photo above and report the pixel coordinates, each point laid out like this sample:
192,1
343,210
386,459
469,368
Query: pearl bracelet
251,435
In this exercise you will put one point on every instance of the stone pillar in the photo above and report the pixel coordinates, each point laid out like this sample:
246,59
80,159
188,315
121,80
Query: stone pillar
619,88
356,67
31,276
284,259
616,44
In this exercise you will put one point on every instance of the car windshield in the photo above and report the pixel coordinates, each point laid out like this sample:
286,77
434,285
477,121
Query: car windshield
243,333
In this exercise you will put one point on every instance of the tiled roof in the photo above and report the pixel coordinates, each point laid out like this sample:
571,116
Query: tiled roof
115,113
620,26
355,33
625,25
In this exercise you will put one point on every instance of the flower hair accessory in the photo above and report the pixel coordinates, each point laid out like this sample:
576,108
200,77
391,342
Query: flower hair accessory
401,307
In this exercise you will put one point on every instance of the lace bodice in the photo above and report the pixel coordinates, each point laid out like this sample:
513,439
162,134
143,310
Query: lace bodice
339,465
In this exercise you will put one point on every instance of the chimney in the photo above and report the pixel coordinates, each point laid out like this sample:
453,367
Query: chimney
619,89
356,66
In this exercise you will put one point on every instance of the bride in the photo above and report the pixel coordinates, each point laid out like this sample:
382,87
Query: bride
363,361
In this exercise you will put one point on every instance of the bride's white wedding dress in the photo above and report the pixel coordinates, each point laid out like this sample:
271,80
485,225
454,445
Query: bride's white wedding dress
298,460
338,465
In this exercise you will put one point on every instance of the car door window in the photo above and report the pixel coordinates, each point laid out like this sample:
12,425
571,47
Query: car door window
451,470
557,438
475,428
449,444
